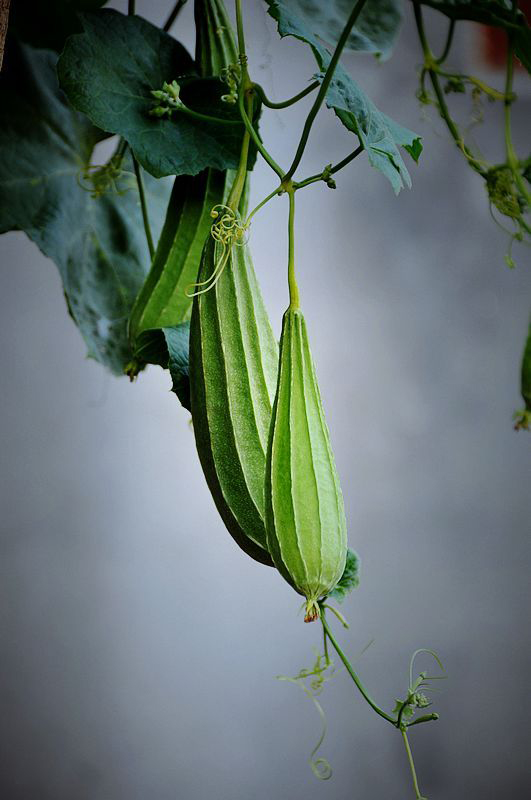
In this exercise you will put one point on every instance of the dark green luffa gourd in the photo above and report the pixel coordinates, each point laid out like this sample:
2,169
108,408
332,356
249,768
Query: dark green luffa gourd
305,517
233,369
165,300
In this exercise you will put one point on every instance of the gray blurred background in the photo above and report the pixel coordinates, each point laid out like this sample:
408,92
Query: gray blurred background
139,646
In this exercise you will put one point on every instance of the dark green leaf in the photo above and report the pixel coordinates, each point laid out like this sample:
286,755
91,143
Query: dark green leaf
169,348
375,30
48,23
489,12
109,71
350,578
97,243
178,343
379,134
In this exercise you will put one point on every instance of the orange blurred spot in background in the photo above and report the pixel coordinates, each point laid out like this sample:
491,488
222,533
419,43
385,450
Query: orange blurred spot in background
494,41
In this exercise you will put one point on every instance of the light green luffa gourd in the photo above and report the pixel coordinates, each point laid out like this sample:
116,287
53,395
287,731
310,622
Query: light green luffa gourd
305,517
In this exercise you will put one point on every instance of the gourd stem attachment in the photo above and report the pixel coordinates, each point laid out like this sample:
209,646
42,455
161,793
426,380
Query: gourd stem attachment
143,206
351,671
294,300
411,763
286,103
329,74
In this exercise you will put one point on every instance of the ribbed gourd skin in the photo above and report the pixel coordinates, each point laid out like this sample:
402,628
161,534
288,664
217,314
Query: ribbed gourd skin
233,373
164,298
215,45
305,517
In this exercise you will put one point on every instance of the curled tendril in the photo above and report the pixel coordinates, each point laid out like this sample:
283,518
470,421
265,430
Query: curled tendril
434,655
231,75
322,671
416,699
100,179
228,231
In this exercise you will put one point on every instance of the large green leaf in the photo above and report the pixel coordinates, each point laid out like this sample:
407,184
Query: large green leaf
375,30
109,71
379,134
48,24
97,243
497,13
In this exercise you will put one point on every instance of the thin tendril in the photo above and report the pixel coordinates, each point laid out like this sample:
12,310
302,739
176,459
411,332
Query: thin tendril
417,653
320,766
337,613
227,231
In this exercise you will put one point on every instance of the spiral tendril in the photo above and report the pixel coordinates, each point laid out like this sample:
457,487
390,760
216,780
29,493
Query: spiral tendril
227,230
322,671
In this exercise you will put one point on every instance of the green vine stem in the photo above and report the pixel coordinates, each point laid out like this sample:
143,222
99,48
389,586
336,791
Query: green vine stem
246,91
351,671
143,205
173,15
411,763
396,722
276,191
512,159
330,170
430,65
448,43
294,300
138,172
206,117
329,74
241,174
286,103
252,132
248,88
490,91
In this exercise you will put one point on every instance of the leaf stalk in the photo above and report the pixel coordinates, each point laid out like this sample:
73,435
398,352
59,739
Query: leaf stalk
329,74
